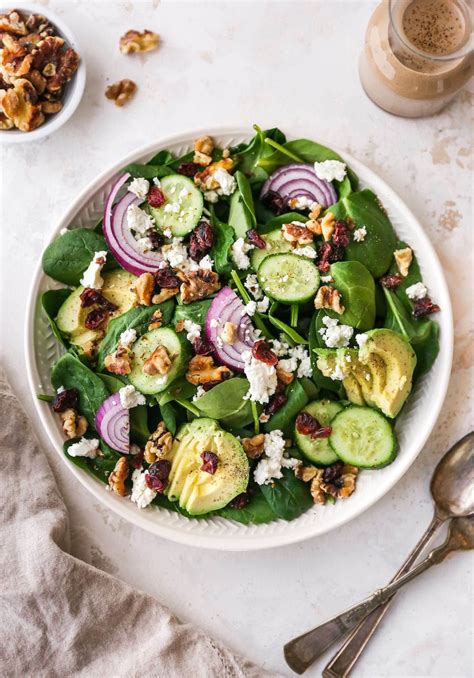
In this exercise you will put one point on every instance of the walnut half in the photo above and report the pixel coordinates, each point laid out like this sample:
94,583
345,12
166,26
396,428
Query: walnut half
121,92
74,424
133,42
20,105
159,444
158,363
329,297
118,477
201,370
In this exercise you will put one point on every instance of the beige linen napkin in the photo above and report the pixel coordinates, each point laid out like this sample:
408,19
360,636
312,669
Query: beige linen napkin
62,617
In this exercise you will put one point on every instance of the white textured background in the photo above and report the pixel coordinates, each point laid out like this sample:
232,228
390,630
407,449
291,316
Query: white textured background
287,64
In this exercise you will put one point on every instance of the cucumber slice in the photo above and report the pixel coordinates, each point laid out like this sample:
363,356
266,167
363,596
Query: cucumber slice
183,207
276,244
142,350
319,451
363,437
288,278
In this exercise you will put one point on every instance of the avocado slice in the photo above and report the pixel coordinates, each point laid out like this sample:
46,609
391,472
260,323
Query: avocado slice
200,492
379,374
117,288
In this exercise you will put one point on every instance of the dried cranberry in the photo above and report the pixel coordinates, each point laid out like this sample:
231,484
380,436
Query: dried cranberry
275,403
209,462
262,351
341,234
156,197
165,277
155,484
201,241
65,399
95,318
201,346
391,281
328,253
210,384
135,460
333,472
275,202
306,424
157,240
240,501
323,432
160,469
188,169
254,239
89,297
425,307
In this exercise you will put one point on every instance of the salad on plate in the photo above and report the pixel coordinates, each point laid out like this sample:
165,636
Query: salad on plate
241,331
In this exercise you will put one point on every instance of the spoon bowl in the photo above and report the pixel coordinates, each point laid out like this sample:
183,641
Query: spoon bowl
452,484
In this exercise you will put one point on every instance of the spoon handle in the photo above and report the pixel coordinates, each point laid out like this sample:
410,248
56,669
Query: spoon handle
343,662
304,650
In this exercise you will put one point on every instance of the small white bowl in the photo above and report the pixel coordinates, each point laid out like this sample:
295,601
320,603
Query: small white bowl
72,92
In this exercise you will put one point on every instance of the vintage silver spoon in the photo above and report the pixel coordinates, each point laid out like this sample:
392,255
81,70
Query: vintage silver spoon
452,487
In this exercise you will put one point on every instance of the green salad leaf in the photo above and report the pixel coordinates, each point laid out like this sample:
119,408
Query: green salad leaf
288,497
51,301
357,287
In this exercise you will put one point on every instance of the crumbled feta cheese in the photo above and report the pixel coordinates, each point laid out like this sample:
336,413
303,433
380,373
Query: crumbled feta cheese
307,251
359,234
183,194
262,306
206,263
63,231
86,447
303,357
262,378
335,335
281,348
193,330
227,183
168,233
130,397
172,208
138,220
361,339
251,283
302,202
337,374
239,250
139,187
270,466
141,493
417,291
288,364
91,276
199,392
156,181
328,170
250,308
128,337
176,255
211,196
60,389
214,322
144,245
326,278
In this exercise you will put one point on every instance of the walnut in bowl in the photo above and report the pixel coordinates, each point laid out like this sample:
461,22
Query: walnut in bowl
42,77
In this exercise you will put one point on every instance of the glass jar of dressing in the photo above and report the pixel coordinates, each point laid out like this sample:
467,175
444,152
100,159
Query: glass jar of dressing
417,55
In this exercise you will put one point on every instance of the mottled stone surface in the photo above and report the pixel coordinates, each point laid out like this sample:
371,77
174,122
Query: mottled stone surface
293,65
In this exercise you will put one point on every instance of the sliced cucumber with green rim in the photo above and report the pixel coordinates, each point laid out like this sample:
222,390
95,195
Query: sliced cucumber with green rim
183,207
319,450
276,244
288,278
362,436
178,352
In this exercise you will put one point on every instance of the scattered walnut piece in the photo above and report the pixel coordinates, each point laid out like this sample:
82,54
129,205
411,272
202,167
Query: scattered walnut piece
13,22
135,41
121,92
201,370
229,333
314,225
306,473
20,105
206,180
283,376
254,446
74,424
155,320
118,362
179,327
144,288
343,483
328,226
403,259
118,476
319,496
203,148
5,123
164,294
329,297
158,363
159,444
198,285
315,211
296,234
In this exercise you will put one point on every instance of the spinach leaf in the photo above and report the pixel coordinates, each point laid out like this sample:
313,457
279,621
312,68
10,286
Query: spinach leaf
223,240
51,301
288,497
248,155
67,257
224,399
310,388
292,335
137,318
196,311
242,212
161,158
276,222
180,389
169,416
296,400
256,512
376,250
69,372
99,467
240,418
148,171
316,341
357,287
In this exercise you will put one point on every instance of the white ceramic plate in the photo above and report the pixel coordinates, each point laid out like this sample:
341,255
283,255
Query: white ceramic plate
413,427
